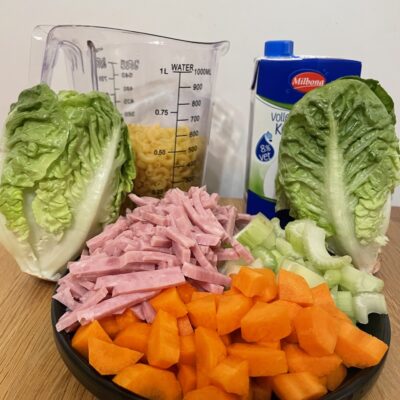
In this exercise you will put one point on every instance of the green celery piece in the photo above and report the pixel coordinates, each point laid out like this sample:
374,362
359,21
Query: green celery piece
294,232
257,263
316,252
255,232
231,267
270,241
286,249
278,258
344,301
311,267
332,277
367,303
311,277
279,232
359,281
266,257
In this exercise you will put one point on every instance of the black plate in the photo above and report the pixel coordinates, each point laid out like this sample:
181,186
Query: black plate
357,384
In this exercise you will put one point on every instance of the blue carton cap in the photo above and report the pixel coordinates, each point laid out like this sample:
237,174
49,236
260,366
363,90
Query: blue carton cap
278,48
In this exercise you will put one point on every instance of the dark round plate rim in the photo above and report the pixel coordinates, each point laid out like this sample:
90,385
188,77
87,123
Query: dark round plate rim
359,382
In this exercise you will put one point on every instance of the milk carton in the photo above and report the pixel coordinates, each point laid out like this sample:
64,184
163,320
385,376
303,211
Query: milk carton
280,80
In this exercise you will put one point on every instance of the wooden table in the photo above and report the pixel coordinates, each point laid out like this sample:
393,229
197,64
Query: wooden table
31,369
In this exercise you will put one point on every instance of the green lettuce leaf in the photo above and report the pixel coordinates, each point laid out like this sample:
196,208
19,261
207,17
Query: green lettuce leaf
339,162
65,167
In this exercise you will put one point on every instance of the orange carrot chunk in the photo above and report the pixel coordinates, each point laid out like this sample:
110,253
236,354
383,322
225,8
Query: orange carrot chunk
80,340
298,386
109,324
209,393
271,345
184,326
210,351
261,388
201,295
270,291
357,348
126,318
262,360
252,283
316,330
203,312
187,378
109,359
231,309
185,292
294,288
163,346
169,301
293,309
232,375
336,377
149,382
226,339
187,350
135,337
268,322
299,361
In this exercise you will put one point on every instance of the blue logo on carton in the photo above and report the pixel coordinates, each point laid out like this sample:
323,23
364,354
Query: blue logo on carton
264,150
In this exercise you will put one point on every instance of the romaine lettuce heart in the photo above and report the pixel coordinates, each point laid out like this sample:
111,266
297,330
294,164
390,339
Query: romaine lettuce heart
65,166
339,162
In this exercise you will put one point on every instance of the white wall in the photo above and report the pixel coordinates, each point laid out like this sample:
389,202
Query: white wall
367,30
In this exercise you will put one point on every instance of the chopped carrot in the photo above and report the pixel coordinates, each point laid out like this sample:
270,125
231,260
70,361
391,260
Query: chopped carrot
109,324
203,312
187,350
266,321
294,288
336,378
231,309
253,283
169,301
109,359
261,388
232,290
293,309
232,375
298,386
184,326
262,360
185,292
187,378
271,345
357,348
126,318
163,346
210,351
209,393
135,337
80,340
149,382
226,339
299,361
201,295
317,331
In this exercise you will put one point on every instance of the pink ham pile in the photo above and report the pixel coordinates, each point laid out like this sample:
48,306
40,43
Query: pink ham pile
159,244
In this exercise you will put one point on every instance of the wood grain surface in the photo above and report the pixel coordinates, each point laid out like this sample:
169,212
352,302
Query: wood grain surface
31,369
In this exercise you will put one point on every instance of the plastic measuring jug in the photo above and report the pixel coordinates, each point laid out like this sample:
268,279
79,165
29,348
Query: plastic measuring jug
163,88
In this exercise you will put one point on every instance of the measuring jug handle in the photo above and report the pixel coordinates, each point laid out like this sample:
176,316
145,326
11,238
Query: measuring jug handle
46,49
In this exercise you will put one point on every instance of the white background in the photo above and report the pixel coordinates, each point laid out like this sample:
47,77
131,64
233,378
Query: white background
368,30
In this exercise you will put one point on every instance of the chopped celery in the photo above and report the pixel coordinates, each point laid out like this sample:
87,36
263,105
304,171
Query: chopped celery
294,234
257,263
359,281
311,277
278,257
311,266
270,241
255,232
344,301
315,249
332,277
334,290
367,303
266,257
279,232
286,249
